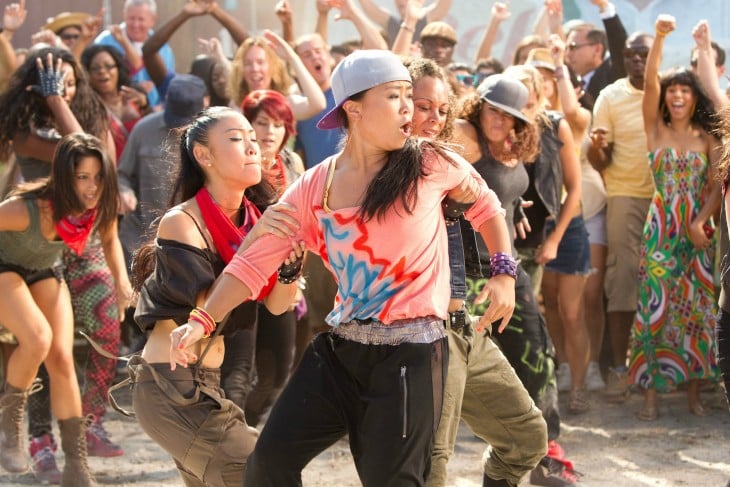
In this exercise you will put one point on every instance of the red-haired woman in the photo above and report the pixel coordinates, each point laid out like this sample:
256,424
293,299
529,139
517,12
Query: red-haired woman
271,339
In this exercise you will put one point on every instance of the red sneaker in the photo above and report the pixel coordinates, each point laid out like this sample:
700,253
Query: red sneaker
98,443
554,470
42,450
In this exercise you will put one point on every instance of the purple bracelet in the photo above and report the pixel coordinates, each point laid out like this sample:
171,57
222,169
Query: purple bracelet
502,263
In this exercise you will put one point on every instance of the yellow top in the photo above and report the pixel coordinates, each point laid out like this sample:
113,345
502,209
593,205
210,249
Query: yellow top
618,109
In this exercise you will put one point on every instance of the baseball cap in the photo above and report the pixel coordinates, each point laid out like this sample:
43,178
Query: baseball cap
360,71
184,99
505,93
439,29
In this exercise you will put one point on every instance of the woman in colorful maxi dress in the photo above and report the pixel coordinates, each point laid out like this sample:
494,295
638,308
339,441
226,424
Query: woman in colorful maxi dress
672,340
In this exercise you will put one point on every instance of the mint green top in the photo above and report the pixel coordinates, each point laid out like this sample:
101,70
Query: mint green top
29,249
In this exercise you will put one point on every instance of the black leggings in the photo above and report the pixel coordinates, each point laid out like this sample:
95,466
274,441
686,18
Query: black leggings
257,362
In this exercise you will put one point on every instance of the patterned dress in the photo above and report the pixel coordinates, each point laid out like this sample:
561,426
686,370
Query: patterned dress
672,338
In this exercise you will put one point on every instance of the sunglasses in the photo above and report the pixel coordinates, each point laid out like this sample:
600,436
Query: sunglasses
466,79
98,68
70,37
631,52
574,46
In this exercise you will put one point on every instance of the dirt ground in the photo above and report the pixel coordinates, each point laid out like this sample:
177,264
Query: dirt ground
607,444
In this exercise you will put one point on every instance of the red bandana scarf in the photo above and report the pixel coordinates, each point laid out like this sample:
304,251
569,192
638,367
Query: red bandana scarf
276,176
75,230
226,236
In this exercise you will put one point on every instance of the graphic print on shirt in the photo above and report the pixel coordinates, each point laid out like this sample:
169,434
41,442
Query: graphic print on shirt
366,282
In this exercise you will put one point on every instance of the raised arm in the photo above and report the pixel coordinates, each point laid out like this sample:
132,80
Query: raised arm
323,10
706,70
371,38
153,61
134,60
437,10
14,16
578,117
500,13
376,13
284,12
404,39
51,88
89,30
229,22
616,36
312,100
554,11
650,101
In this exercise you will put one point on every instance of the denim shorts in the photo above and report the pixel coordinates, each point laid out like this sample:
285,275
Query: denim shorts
574,250
596,228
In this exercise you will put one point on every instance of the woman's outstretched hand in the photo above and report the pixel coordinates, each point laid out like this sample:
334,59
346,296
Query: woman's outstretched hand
181,338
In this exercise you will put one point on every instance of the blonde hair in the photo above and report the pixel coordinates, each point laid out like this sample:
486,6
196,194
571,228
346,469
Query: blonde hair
237,88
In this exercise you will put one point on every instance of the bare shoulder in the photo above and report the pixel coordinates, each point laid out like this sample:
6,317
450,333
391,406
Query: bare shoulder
466,139
179,224
14,215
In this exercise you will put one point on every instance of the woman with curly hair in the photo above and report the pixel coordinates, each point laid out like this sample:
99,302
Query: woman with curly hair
37,223
33,122
491,121
672,340
109,77
260,64
558,240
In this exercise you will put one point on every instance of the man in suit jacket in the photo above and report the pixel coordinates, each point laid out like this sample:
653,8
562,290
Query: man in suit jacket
586,47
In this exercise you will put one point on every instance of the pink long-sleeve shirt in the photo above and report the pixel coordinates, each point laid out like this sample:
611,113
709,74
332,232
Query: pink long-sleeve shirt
390,269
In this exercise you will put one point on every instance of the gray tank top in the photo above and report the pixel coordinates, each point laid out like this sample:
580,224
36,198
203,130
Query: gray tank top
29,249
509,183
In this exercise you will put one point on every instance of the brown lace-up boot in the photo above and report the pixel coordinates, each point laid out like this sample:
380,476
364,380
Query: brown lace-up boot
12,407
76,471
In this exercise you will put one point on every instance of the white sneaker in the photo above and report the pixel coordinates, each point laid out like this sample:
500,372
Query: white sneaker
564,378
594,381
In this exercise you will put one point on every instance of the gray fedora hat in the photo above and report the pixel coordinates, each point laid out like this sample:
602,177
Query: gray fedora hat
505,93
360,71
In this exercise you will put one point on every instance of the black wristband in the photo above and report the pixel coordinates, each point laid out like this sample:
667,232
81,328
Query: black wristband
453,209
288,273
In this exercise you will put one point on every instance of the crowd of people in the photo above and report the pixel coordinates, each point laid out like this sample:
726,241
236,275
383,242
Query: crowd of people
297,242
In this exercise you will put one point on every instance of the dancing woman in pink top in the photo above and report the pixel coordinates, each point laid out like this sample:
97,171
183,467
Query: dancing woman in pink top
374,214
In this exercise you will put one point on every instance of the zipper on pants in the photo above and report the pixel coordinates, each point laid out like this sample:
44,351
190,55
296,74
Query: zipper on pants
404,397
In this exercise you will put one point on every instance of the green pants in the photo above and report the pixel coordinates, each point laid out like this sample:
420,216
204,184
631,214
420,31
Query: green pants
482,388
